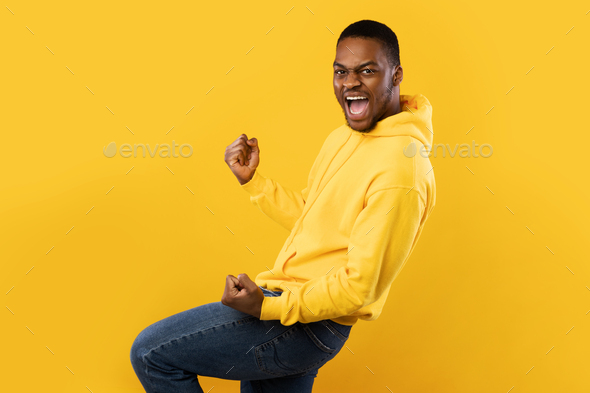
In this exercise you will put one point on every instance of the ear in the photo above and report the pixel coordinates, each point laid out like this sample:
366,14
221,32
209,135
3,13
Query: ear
398,75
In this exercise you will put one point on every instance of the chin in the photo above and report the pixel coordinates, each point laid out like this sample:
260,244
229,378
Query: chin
359,129
365,130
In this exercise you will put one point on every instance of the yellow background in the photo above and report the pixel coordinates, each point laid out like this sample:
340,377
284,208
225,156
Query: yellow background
483,305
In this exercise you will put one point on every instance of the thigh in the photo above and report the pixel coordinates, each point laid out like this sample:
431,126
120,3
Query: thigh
209,340
218,341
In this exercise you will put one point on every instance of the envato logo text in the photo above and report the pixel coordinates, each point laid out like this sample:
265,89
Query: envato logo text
465,150
185,150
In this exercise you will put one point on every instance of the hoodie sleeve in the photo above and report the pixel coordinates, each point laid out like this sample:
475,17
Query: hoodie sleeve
277,202
282,204
383,237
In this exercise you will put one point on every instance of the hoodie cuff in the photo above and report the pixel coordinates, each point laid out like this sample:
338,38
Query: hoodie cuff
255,186
272,307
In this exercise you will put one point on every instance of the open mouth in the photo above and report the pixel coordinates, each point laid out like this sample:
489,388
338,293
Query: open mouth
356,107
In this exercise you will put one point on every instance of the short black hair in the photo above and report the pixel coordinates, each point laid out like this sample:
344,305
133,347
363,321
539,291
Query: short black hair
371,29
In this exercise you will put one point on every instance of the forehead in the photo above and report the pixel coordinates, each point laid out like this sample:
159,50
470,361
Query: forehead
354,51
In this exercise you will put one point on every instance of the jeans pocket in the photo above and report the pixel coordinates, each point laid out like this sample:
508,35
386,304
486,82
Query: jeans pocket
342,331
295,351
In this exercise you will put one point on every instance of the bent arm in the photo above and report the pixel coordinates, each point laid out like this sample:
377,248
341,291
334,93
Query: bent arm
281,204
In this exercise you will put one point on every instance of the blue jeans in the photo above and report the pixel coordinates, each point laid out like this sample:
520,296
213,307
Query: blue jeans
218,341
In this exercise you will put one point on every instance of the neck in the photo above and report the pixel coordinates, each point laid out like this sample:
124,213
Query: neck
393,108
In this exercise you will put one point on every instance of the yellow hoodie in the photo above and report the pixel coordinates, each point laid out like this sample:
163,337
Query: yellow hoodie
355,224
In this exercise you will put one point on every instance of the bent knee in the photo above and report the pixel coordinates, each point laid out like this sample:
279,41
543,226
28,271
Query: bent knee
138,349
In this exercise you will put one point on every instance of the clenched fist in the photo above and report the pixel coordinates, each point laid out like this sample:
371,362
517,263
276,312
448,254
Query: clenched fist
243,294
242,157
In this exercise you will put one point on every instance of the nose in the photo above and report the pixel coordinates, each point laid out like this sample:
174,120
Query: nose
351,81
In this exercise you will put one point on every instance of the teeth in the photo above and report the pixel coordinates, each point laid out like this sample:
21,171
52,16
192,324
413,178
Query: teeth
355,98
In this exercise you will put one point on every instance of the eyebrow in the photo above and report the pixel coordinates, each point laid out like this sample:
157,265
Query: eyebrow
371,62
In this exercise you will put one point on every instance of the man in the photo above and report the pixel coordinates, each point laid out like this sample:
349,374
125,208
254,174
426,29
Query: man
352,230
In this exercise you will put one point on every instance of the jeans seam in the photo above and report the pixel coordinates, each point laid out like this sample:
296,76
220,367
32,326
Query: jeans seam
271,342
335,332
316,340
286,372
257,386
259,360
192,334
147,370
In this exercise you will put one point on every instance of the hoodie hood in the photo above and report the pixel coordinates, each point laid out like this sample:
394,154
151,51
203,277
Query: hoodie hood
414,120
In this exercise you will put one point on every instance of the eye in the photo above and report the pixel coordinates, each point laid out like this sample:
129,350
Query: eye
368,69
337,72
